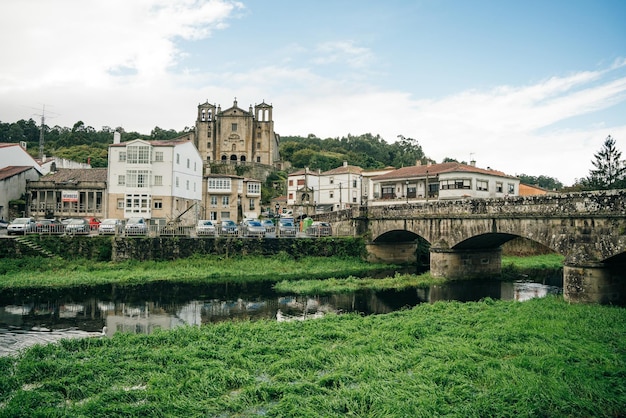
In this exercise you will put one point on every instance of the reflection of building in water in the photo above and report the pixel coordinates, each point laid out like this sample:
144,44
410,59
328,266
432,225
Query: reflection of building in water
139,319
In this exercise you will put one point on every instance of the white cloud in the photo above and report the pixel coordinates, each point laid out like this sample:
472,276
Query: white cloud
114,63
78,43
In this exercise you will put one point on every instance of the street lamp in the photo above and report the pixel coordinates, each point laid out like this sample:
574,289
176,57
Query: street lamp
407,192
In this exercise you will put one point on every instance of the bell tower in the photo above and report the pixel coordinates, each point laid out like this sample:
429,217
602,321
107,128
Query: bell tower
205,131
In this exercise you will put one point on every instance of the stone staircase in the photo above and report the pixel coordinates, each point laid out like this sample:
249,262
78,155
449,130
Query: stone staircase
27,242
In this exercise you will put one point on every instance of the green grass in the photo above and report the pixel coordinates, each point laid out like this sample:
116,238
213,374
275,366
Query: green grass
45,272
353,284
540,358
542,261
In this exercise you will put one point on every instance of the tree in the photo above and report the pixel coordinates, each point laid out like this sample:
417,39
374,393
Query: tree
610,169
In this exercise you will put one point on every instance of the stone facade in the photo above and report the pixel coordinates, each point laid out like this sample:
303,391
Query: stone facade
235,135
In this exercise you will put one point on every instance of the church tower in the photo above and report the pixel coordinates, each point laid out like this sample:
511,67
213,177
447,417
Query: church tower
235,135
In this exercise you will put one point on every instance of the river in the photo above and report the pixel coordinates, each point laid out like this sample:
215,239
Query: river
29,317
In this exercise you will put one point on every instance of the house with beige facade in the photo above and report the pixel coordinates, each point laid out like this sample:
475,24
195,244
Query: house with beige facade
230,197
157,180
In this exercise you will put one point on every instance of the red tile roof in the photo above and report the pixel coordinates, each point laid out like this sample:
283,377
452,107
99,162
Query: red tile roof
436,169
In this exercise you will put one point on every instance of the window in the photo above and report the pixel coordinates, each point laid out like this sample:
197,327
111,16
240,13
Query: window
138,154
213,216
290,182
177,158
187,184
120,203
290,196
332,180
456,184
331,194
482,185
176,181
225,215
234,127
354,183
300,182
511,188
225,201
213,201
122,156
254,188
499,187
219,184
188,163
158,156
251,203
158,180
137,203
258,145
121,180
158,204
137,178
258,159
208,145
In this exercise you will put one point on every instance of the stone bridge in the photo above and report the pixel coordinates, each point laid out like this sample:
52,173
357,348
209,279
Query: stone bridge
466,236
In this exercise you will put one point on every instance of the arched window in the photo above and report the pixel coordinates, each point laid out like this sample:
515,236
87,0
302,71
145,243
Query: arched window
224,158
233,157
243,158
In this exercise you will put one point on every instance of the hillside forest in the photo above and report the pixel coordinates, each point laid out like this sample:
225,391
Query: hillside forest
84,143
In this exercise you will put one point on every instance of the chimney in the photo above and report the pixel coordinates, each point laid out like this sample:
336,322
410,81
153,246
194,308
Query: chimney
117,137
473,163
418,162
345,163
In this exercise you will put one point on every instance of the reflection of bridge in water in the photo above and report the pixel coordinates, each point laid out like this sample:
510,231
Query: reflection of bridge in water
466,236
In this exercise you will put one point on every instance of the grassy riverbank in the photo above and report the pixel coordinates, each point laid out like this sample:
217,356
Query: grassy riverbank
512,267
45,272
543,357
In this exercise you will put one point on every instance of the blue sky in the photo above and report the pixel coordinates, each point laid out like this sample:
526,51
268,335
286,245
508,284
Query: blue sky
528,87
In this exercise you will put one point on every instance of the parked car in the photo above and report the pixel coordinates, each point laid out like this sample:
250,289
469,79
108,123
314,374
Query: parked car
319,229
49,226
93,223
136,226
228,227
268,225
3,224
252,228
286,227
21,226
206,227
77,226
110,227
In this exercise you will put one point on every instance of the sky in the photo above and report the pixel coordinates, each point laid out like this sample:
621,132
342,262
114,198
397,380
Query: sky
525,87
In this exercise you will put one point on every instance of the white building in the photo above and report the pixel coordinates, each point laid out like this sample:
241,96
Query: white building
443,181
310,192
157,180
16,167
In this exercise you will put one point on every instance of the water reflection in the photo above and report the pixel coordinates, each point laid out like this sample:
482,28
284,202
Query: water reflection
31,317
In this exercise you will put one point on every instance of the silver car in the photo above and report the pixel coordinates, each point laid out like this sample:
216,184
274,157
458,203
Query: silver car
136,226
286,227
252,228
21,226
206,227
110,227
77,226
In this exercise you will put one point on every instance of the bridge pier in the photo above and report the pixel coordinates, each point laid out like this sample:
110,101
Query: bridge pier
593,283
465,264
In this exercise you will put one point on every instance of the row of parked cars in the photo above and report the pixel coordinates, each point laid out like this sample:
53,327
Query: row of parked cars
284,227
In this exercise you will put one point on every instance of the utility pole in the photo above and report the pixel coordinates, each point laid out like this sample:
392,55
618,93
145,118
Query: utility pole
43,119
